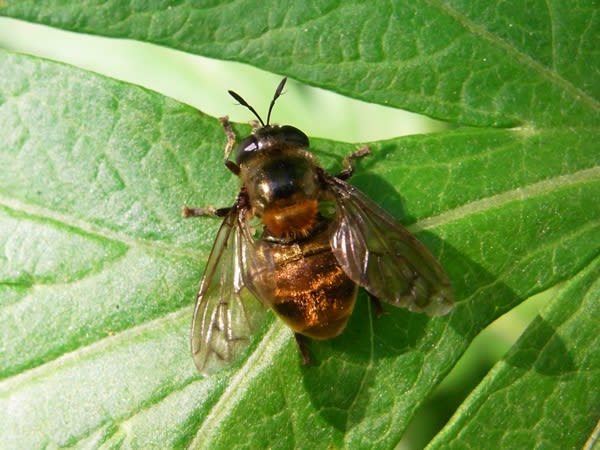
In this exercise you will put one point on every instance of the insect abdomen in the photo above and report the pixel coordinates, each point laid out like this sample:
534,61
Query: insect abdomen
311,293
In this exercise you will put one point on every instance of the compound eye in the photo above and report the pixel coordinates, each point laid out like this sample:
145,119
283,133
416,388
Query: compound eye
245,148
294,136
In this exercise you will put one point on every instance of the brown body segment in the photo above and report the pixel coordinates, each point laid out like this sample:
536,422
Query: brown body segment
307,289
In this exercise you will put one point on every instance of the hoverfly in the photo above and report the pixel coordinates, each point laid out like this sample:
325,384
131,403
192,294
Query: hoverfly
305,265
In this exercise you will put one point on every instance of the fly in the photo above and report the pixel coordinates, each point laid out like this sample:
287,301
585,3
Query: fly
306,266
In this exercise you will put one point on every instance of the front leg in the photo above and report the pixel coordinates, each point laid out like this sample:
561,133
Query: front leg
233,167
347,162
241,203
208,211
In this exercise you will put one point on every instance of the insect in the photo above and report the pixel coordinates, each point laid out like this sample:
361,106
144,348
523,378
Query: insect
304,264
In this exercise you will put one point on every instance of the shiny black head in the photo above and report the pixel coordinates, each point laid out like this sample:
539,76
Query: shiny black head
268,137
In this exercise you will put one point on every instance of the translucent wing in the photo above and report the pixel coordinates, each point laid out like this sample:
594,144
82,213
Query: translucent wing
227,313
380,255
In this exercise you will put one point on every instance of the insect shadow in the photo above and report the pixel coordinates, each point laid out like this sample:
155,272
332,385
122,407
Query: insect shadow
376,351
369,337
553,358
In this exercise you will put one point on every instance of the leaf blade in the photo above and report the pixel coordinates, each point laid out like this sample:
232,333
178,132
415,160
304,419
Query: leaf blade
555,362
472,186
402,54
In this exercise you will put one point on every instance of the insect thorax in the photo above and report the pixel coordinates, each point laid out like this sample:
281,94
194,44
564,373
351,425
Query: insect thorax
284,191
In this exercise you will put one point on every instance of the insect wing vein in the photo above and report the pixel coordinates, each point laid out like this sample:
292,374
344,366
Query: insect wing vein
226,313
379,254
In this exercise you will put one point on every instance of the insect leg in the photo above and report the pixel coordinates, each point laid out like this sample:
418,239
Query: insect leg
376,304
208,211
255,124
301,341
347,162
241,202
233,167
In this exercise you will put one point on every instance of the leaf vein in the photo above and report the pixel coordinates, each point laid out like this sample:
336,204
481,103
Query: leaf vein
496,201
549,74
91,229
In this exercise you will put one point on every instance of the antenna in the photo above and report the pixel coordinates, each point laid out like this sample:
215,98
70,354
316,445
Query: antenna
243,102
275,97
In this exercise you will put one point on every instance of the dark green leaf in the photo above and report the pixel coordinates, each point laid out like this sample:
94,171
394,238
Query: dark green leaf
544,393
479,63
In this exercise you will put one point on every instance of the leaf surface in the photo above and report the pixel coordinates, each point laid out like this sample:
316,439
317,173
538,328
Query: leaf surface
98,270
543,394
475,63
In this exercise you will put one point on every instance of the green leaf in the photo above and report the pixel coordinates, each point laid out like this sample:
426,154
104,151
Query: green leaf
98,270
543,394
477,63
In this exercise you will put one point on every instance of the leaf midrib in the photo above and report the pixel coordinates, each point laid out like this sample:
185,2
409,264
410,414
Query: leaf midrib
271,343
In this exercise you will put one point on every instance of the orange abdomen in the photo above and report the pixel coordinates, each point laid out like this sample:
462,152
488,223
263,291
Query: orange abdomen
308,289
